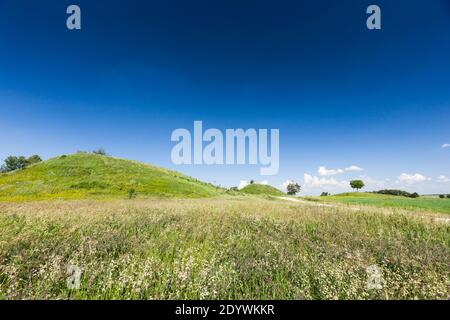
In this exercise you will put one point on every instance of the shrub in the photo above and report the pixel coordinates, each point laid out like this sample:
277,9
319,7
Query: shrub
441,196
100,151
33,159
132,193
401,193
324,194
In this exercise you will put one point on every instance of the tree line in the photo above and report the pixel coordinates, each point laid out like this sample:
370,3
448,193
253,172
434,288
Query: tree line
16,163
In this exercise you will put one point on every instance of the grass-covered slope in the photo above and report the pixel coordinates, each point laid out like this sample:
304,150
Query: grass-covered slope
95,176
380,200
261,189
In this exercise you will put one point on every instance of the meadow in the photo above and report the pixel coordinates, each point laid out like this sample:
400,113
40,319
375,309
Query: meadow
388,201
219,248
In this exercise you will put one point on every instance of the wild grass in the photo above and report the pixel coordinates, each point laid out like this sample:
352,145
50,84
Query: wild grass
387,201
227,248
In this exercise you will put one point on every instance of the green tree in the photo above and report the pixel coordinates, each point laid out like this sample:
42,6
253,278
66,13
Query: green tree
293,188
14,163
441,196
357,184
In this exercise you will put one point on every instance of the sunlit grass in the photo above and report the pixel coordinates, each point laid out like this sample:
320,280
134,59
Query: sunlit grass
227,248
387,201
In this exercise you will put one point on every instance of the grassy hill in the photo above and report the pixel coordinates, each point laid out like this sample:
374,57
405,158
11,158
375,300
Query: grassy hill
380,200
85,175
261,189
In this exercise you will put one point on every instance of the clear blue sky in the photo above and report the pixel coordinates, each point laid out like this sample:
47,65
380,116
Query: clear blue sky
340,94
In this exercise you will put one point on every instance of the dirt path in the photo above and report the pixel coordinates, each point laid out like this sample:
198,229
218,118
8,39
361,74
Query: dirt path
355,208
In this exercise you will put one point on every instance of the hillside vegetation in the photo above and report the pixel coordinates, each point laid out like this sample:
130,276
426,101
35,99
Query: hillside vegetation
261,189
380,200
85,175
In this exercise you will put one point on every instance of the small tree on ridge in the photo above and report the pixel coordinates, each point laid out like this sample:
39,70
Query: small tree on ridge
357,184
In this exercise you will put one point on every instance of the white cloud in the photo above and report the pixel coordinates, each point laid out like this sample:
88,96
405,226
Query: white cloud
328,172
354,168
316,182
322,171
372,184
445,145
412,178
443,179
243,184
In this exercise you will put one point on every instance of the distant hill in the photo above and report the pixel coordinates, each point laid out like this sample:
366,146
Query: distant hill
261,189
84,175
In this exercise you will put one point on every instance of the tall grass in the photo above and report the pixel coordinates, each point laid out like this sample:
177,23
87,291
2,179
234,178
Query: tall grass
217,248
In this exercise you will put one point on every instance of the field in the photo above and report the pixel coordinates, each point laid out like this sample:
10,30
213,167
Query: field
387,201
223,247
135,231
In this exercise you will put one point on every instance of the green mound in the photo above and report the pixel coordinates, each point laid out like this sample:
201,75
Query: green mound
261,189
83,175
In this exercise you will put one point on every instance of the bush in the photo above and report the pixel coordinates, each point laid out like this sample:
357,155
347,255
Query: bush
442,196
132,193
448,196
324,194
100,151
400,193
33,159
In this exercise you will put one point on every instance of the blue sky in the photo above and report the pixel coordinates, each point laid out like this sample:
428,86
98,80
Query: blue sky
340,94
